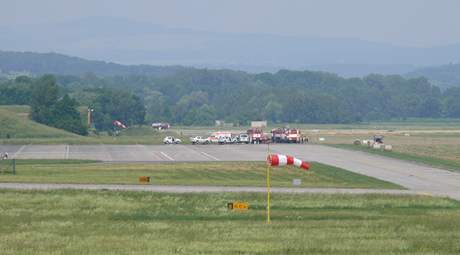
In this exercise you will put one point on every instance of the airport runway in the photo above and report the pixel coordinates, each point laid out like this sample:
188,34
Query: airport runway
417,178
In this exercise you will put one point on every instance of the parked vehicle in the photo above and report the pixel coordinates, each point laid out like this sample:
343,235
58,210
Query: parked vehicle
160,125
378,139
279,135
256,136
213,139
220,134
243,138
293,135
171,140
286,135
225,140
199,140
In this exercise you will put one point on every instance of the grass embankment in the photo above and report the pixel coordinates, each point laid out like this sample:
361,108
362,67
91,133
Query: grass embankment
17,128
153,138
426,160
212,173
103,222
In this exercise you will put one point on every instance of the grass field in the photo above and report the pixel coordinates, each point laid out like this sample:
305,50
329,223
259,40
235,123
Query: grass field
102,222
212,173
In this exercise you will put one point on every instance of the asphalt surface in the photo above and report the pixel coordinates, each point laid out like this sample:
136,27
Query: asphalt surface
414,177
196,189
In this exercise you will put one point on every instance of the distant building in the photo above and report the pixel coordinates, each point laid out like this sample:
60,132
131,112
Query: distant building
221,123
259,124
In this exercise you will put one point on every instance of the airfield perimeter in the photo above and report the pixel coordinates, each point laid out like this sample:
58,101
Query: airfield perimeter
415,177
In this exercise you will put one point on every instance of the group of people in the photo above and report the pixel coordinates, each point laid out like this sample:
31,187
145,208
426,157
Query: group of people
303,139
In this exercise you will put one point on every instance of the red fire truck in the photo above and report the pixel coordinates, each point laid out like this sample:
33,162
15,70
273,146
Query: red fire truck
286,135
256,135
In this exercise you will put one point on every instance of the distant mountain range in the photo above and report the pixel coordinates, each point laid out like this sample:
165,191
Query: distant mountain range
131,42
53,63
14,63
443,76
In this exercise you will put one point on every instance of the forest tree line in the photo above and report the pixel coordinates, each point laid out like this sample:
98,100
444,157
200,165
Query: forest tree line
200,96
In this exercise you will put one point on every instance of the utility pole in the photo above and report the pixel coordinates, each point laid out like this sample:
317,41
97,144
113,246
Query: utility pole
90,110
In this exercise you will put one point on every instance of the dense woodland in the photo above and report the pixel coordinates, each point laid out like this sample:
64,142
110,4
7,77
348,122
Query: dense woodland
200,96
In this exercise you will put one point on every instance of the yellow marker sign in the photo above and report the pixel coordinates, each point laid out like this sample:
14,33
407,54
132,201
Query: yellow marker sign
243,206
144,179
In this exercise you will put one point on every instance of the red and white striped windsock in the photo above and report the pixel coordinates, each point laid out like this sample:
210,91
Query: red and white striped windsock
282,160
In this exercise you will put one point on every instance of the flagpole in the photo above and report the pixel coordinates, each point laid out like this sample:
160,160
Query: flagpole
268,186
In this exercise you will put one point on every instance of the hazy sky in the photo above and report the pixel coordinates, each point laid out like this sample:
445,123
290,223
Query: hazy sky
401,22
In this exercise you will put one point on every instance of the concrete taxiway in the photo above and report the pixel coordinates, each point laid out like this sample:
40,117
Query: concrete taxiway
415,177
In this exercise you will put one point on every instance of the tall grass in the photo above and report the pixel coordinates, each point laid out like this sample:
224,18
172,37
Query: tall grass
99,222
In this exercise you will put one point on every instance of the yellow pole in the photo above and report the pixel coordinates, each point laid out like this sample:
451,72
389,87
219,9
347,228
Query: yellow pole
268,187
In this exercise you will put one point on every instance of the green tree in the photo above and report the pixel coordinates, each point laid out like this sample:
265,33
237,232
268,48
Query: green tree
119,105
452,102
187,110
203,115
44,97
156,105
67,117
47,109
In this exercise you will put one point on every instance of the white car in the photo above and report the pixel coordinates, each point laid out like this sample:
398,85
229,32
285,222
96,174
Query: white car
244,138
171,140
199,140
224,140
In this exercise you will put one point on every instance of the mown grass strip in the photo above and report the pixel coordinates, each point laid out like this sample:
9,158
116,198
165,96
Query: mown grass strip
201,173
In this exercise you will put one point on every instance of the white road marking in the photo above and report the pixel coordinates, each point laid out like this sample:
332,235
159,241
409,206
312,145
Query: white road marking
67,152
166,156
209,156
19,151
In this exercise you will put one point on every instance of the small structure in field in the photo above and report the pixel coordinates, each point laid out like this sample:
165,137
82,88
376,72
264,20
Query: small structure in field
259,124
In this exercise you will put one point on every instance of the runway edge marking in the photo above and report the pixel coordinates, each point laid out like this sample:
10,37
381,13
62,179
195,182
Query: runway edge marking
166,156
67,149
209,156
19,151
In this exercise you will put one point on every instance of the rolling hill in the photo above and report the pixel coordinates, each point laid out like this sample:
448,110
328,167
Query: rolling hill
444,76
14,123
53,63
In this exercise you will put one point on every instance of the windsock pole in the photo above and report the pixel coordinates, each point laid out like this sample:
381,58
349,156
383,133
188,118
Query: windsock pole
268,186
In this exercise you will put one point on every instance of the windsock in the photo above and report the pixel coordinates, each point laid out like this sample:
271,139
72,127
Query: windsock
282,160
118,124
